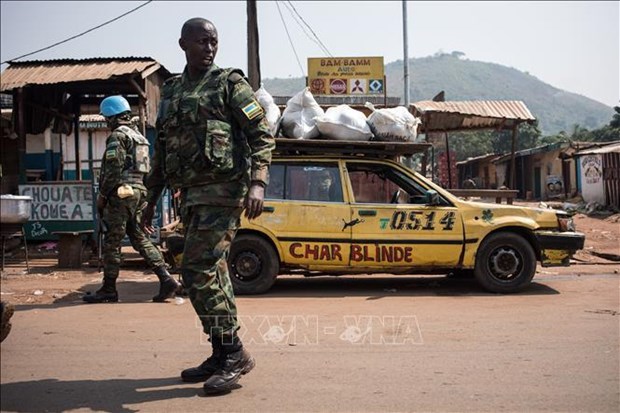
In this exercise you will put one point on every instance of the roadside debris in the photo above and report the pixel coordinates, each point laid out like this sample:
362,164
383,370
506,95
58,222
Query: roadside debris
582,207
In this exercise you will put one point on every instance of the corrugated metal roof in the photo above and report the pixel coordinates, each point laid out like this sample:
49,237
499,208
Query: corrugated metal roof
42,72
508,109
92,118
95,117
605,149
533,151
477,114
488,156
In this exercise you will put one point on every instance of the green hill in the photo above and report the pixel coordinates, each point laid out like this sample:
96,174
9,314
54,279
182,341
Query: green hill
462,79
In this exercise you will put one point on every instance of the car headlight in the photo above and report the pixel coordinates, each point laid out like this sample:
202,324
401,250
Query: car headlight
565,222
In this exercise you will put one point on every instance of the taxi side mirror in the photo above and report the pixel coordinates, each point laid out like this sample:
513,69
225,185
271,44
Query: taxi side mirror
432,198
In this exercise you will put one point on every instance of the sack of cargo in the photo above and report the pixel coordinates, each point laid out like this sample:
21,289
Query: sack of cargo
393,124
344,123
298,119
272,111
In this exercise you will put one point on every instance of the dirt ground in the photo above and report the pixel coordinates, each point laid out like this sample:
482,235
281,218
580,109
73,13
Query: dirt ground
357,343
602,238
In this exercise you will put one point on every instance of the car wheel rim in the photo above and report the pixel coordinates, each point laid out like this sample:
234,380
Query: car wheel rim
247,266
505,264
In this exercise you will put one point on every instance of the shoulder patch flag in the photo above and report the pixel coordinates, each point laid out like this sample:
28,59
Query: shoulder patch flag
252,110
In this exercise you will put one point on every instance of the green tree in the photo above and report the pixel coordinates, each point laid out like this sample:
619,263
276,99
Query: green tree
606,134
581,134
558,137
470,144
527,137
615,120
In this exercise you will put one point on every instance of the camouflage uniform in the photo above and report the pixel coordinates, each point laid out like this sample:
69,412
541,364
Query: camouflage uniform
122,215
213,141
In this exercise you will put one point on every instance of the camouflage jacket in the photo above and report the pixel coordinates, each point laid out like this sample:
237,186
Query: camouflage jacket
118,161
212,139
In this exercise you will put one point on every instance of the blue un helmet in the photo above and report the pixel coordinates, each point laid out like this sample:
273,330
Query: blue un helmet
114,105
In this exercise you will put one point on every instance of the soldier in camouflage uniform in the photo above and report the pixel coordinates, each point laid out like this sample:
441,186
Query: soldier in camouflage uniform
214,144
122,195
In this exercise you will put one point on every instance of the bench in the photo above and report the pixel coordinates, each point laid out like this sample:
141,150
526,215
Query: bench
498,194
70,248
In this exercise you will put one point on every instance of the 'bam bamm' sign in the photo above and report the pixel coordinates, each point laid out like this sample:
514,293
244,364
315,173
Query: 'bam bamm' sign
346,75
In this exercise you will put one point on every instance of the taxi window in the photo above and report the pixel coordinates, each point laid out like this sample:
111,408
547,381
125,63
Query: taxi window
381,184
275,188
304,182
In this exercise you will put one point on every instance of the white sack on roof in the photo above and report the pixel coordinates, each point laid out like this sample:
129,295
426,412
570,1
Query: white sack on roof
393,124
272,111
298,118
344,123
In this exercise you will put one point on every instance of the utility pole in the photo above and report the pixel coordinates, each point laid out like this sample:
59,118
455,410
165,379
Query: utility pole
253,55
405,54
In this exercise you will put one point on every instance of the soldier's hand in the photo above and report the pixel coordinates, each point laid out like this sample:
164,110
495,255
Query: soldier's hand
147,218
254,200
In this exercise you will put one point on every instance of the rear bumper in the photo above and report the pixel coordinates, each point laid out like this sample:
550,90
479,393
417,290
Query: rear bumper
556,248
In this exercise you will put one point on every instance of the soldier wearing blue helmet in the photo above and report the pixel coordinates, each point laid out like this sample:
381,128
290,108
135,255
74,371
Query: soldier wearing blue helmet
122,196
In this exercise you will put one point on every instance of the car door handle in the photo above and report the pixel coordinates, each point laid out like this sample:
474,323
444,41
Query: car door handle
269,209
367,212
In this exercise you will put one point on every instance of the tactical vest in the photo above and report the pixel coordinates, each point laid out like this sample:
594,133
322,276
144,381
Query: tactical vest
137,162
200,141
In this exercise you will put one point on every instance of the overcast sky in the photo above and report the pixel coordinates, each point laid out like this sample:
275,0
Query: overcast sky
572,45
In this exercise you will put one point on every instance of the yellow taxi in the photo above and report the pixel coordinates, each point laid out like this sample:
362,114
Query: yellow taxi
334,208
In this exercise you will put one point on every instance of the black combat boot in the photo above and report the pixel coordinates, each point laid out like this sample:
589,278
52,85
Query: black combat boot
235,361
206,369
106,294
167,285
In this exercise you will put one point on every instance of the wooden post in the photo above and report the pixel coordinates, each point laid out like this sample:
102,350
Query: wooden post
142,99
90,152
76,135
513,173
253,55
449,162
21,135
142,115
433,164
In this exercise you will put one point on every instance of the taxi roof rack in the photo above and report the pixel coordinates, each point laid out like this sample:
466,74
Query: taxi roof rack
285,146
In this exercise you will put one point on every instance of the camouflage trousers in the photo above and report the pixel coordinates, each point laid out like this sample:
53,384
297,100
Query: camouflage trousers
122,216
209,231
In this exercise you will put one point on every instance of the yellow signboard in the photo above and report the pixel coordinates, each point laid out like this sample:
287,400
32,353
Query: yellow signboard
346,75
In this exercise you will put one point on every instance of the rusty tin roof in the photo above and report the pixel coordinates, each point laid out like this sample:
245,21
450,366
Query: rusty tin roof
475,114
46,72
613,147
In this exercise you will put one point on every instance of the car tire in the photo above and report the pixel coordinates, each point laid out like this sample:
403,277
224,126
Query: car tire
253,264
505,263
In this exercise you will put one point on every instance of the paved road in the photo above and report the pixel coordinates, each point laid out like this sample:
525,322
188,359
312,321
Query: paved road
329,344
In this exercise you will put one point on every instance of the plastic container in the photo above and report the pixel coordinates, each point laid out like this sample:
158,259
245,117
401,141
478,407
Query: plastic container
15,209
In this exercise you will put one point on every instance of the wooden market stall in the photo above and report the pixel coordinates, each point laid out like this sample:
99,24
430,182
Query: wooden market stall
54,117
443,117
